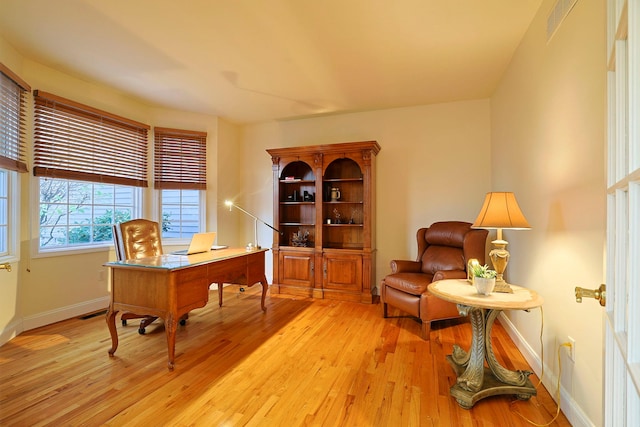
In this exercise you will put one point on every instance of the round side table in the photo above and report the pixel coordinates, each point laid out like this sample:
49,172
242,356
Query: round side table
474,381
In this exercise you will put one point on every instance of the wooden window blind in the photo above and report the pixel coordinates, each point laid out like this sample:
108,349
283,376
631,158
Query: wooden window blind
180,159
13,96
78,142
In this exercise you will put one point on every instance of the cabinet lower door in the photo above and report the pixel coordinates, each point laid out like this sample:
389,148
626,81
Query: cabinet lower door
342,276
296,272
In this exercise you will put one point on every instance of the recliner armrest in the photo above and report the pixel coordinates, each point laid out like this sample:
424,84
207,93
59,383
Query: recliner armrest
405,266
449,274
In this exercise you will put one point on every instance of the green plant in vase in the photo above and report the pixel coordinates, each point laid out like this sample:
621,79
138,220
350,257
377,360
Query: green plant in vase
483,271
484,279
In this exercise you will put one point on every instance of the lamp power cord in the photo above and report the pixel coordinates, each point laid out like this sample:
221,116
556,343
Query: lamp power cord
564,344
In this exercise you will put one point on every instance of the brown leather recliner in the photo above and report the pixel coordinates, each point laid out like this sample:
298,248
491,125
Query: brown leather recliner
443,251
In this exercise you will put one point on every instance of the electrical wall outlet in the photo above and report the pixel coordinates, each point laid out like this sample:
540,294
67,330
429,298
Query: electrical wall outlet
572,349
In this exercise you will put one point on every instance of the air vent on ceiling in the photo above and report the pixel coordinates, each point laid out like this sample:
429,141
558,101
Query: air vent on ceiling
557,15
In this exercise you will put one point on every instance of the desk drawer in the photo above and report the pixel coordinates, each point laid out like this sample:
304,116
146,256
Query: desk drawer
232,270
145,288
193,287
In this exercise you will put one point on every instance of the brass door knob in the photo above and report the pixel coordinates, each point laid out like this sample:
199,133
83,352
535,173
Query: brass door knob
600,294
5,266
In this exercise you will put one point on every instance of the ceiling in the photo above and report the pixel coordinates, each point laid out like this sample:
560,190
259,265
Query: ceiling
256,60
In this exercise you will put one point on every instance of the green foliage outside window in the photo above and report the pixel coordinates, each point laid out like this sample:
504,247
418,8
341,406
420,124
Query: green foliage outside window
74,213
102,233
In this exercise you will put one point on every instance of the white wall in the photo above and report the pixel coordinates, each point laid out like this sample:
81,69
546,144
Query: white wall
228,183
548,146
434,165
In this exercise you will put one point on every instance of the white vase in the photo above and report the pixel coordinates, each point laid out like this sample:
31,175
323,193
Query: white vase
484,285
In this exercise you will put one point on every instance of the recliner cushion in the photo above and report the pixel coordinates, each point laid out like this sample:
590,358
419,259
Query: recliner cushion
437,258
445,241
402,300
411,283
447,233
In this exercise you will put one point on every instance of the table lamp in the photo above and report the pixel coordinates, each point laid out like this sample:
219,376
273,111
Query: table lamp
255,245
500,210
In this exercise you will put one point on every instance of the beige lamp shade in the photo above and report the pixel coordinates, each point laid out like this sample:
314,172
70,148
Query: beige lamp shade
501,210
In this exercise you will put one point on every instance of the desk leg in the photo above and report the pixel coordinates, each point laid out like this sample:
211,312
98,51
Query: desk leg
170,326
474,381
265,287
111,324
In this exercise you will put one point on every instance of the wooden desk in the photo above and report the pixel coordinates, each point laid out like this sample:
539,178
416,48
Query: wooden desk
169,286
474,381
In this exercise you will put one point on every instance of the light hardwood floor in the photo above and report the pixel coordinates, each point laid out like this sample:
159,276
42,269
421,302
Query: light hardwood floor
302,363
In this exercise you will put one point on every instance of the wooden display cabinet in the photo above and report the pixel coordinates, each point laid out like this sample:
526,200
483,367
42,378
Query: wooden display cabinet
324,207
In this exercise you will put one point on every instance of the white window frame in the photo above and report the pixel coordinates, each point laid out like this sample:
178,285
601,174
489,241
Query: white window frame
38,252
13,218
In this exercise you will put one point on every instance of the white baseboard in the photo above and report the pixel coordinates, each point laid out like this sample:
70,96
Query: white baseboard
568,405
20,325
57,315
64,313
11,331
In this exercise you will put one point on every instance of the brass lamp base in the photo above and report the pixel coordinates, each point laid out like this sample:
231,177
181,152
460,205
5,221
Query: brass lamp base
502,286
499,258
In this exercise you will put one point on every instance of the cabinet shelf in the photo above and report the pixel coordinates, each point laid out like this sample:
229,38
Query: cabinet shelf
296,203
343,225
343,179
308,248
297,181
296,224
342,202
344,248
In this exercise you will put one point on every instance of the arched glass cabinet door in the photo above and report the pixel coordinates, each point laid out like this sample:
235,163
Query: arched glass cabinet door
343,204
297,212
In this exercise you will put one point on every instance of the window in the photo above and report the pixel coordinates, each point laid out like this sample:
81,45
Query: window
4,212
13,95
80,213
180,173
91,167
180,212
